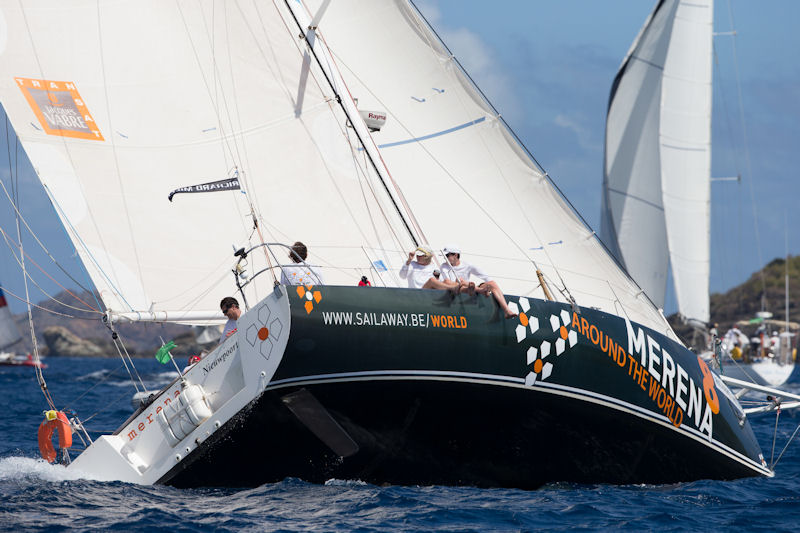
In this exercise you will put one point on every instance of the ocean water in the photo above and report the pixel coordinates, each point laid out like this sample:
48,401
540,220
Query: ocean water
36,496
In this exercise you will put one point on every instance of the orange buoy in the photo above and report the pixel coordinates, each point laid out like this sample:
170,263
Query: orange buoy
54,421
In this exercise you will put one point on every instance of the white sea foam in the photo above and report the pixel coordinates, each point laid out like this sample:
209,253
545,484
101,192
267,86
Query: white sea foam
94,376
14,468
333,482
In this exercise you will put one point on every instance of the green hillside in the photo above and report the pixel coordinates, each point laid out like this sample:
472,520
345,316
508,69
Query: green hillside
744,301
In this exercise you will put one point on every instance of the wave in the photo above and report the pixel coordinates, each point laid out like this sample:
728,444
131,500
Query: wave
20,468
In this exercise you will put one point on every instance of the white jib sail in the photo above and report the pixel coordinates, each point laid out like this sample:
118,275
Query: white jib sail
465,177
658,156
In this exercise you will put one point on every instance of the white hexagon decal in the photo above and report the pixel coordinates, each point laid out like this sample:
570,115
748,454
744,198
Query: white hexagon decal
560,345
573,338
545,347
520,332
531,355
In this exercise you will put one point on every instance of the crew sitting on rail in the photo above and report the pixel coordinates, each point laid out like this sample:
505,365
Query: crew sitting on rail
459,271
419,271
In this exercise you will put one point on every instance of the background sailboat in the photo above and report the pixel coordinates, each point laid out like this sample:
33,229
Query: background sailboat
657,171
656,186
9,336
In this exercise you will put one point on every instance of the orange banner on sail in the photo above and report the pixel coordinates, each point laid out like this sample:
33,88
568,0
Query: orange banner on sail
60,109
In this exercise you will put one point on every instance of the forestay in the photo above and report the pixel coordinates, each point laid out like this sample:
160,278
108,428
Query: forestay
658,156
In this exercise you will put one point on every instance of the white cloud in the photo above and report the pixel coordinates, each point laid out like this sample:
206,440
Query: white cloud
583,134
477,58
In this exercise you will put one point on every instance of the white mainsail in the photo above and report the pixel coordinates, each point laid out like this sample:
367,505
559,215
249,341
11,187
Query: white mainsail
181,94
656,186
9,334
184,92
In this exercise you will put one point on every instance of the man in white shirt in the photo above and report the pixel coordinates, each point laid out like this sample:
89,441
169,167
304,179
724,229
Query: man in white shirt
300,273
230,308
418,270
459,271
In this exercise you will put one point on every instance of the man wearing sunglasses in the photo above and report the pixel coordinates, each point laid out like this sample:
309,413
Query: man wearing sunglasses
460,271
230,308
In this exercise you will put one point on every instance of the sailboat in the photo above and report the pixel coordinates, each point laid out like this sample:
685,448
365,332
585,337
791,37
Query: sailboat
657,169
185,145
9,336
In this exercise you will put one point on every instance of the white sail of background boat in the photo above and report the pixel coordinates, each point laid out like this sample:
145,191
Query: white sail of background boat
657,173
165,133
656,186
9,334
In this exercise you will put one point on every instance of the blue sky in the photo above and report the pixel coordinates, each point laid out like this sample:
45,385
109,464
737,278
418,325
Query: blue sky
548,66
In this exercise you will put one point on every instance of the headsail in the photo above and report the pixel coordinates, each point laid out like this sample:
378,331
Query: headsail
465,176
656,186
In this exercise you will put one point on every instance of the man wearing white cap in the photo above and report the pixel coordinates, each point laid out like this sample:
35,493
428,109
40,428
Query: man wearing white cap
459,271
418,270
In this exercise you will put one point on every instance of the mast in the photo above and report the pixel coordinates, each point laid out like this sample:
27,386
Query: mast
324,58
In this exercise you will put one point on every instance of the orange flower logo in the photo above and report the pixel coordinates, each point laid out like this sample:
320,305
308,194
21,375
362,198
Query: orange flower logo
310,296
565,338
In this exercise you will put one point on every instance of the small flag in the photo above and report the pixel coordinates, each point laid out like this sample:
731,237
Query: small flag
162,355
213,186
379,265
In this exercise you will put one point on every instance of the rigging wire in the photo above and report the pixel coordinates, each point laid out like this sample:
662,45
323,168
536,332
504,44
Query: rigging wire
411,219
361,171
747,157
27,226
37,360
51,311
11,244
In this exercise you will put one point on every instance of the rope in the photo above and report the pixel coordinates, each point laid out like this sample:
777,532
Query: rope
775,434
38,367
28,302
109,404
117,343
784,448
17,258
68,406
14,205
747,153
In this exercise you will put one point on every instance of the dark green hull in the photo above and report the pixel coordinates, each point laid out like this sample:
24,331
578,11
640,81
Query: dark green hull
418,387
